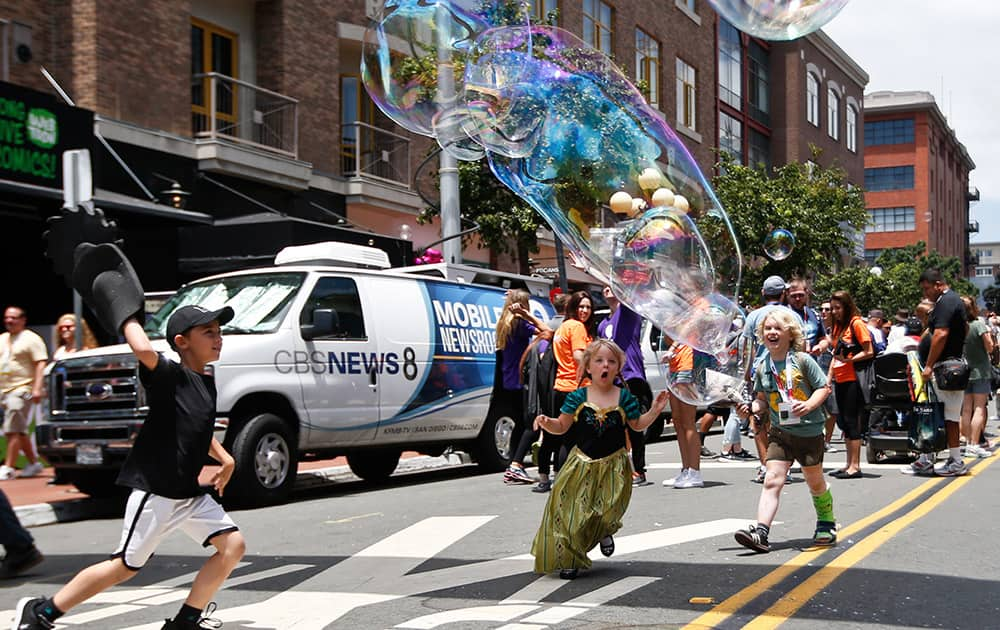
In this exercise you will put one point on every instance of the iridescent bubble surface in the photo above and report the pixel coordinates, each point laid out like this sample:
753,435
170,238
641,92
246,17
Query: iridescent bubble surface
778,245
703,379
565,130
778,19
413,58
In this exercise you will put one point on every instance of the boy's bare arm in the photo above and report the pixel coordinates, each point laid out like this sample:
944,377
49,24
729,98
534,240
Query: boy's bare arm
139,342
217,452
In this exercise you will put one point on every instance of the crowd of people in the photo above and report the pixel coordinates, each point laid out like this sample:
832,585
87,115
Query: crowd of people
810,375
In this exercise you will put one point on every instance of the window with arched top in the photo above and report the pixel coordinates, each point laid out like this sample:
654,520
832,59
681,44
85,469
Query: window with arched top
833,114
852,129
812,99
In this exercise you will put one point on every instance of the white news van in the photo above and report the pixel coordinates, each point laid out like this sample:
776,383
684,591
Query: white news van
330,353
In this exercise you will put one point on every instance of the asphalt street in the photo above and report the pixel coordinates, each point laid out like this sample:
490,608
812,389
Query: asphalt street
449,548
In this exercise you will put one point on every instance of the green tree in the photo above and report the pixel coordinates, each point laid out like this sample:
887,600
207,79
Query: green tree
507,224
812,202
896,286
991,295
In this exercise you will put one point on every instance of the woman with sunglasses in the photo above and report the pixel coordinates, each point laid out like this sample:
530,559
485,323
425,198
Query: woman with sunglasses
66,329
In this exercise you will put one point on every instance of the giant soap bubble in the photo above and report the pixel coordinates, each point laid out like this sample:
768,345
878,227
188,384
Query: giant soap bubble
703,379
564,129
778,245
413,61
778,19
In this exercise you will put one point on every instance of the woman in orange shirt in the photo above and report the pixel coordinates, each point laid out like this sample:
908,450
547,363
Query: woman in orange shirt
569,343
852,343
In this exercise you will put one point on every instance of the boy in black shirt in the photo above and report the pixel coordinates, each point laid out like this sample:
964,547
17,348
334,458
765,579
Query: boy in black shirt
162,470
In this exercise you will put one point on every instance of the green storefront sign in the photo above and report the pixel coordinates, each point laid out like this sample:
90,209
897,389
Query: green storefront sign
35,128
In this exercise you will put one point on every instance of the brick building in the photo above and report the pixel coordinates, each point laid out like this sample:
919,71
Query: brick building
255,108
916,177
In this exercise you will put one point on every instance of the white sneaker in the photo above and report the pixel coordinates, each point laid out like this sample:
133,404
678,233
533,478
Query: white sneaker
693,480
674,481
31,470
6,472
976,451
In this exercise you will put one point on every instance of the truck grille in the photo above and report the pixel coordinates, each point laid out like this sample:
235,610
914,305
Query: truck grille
96,387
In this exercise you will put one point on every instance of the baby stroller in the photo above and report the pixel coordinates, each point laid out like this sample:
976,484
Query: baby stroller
891,402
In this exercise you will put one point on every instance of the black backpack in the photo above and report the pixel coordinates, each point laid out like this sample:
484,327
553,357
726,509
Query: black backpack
539,378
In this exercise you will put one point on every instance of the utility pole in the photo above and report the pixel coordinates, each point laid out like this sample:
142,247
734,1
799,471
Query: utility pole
451,210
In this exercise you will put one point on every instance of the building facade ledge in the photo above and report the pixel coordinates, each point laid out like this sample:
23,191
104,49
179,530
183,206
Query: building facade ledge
369,192
220,156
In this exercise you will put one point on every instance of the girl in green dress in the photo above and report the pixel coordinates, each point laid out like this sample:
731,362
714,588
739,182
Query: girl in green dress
593,488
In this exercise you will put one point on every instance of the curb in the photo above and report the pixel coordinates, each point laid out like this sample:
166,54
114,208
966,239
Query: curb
39,514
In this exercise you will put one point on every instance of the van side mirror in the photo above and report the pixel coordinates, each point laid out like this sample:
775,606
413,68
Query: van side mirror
325,322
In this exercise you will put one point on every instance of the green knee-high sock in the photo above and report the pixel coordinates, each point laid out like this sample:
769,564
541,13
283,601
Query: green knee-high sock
824,507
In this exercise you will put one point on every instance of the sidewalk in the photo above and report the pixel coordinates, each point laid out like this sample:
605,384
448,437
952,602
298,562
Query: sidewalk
38,503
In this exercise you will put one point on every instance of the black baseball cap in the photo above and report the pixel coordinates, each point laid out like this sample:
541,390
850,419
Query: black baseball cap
187,317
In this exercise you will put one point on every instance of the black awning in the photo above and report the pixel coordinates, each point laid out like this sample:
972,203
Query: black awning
110,200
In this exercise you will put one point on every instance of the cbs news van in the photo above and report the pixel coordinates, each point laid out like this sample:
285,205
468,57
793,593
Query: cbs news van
330,353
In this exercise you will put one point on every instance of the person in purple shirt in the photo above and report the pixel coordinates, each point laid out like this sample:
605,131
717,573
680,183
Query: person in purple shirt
515,329
624,327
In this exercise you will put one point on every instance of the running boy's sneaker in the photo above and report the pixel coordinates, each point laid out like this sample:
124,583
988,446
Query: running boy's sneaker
25,617
951,468
752,538
204,622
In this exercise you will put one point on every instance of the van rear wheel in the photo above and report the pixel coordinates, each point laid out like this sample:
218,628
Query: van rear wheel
266,461
495,444
374,465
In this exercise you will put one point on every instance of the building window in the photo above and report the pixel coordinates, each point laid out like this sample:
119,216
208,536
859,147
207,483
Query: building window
731,136
890,132
597,17
891,220
833,114
889,178
647,66
852,129
213,49
984,272
871,255
759,147
758,84
542,9
686,95
812,99
689,4
730,67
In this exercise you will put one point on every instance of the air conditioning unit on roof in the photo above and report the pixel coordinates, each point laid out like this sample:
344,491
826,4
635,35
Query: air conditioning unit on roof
335,254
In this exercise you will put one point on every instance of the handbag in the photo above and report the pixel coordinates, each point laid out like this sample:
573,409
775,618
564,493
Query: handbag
951,374
926,430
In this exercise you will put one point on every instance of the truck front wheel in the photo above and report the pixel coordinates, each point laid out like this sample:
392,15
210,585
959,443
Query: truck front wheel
266,461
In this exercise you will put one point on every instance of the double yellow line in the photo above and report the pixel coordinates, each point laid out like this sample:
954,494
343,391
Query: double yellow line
789,603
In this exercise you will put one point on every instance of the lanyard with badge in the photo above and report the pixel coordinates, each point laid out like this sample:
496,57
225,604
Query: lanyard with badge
785,415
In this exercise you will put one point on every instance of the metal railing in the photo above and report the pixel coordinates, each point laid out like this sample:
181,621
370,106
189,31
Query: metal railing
224,107
369,152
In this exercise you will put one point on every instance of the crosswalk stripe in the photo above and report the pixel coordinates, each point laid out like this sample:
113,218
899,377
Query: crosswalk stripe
537,590
97,615
180,594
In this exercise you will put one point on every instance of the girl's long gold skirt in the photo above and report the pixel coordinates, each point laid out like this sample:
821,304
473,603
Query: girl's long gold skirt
587,503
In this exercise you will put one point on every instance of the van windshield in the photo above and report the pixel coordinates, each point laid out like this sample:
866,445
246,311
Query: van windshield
259,301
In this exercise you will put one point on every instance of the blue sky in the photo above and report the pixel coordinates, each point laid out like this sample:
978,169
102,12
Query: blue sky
920,45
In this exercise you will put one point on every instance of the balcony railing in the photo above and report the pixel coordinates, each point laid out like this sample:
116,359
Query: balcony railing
973,227
369,152
224,107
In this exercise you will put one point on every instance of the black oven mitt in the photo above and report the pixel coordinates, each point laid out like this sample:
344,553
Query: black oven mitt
106,281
